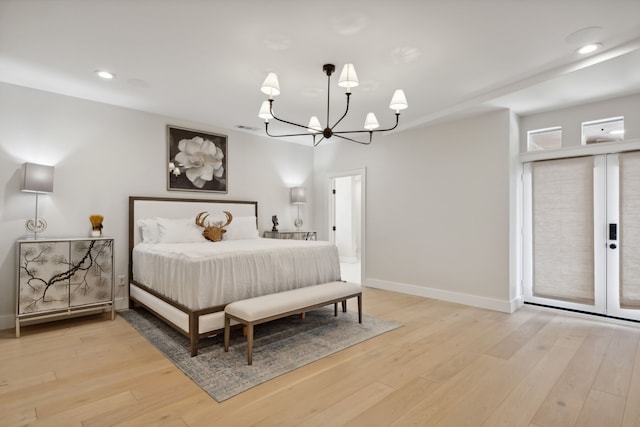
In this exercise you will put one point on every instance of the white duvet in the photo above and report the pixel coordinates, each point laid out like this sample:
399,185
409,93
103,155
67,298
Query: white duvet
206,274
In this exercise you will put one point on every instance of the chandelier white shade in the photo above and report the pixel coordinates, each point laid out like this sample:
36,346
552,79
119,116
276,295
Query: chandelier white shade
271,86
348,80
371,123
264,111
314,125
398,101
348,77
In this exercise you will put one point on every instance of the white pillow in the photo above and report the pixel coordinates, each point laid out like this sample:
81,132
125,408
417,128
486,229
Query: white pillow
149,230
241,227
181,230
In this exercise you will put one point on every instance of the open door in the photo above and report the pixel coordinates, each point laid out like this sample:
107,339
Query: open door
347,222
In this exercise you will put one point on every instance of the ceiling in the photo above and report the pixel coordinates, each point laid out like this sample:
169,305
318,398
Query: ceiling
204,61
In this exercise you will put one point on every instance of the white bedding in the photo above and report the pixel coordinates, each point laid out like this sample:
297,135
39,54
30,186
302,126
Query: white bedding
206,274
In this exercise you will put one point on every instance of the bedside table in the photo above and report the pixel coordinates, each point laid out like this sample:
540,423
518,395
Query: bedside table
59,277
291,235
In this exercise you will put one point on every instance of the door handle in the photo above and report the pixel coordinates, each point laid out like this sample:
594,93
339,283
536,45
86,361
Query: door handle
613,246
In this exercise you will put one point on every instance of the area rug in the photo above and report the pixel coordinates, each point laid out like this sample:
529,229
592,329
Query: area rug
279,347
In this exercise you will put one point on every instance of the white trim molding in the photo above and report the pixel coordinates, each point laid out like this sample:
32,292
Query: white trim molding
504,306
582,150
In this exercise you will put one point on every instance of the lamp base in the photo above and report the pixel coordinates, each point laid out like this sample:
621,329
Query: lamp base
35,225
298,223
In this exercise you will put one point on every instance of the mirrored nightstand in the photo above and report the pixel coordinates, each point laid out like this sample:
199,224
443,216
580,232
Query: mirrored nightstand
292,235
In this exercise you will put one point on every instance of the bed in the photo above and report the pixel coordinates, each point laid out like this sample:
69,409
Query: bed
187,281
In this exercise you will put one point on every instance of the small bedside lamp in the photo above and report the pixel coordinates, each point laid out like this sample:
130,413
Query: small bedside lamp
298,197
37,179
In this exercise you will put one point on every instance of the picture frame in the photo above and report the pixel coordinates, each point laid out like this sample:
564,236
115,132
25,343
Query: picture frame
197,160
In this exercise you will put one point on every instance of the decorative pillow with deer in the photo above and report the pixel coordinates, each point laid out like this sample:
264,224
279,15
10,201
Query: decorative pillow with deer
213,232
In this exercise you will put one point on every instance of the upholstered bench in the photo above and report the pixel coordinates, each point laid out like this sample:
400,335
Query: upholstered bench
254,311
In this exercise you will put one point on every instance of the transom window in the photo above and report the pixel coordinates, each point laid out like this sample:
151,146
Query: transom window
604,130
544,139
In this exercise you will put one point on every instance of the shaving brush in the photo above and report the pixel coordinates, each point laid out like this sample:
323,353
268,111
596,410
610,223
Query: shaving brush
96,224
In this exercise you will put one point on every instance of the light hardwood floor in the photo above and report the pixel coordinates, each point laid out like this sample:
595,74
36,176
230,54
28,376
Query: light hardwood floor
449,365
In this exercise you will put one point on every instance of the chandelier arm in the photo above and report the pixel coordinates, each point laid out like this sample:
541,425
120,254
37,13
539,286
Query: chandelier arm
371,131
315,143
285,121
266,128
343,116
355,140
391,128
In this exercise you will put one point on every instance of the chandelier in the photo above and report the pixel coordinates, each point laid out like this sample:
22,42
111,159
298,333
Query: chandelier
348,79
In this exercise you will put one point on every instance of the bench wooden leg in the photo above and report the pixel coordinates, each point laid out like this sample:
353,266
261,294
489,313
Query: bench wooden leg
250,344
227,330
360,308
344,306
335,309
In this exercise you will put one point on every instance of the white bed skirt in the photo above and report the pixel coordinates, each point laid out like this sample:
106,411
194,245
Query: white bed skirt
202,275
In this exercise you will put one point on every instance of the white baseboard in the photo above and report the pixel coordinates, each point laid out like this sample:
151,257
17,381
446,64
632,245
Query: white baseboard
516,303
504,306
8,321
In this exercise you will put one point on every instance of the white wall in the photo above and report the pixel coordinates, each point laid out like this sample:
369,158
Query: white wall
438,208
442,204
103,154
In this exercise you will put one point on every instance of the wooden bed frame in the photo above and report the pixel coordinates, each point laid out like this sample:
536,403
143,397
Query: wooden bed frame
194,324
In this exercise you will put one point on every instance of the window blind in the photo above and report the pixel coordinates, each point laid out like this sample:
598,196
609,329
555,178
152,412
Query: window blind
563,255
629,230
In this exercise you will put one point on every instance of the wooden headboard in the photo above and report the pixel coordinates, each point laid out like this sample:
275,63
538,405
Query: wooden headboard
167,207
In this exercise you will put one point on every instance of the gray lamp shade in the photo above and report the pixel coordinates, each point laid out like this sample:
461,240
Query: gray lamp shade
298,195
37,178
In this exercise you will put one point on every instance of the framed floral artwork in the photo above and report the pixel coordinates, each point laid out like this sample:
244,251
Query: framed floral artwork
197,160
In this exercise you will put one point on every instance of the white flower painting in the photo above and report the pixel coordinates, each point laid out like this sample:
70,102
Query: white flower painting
197,160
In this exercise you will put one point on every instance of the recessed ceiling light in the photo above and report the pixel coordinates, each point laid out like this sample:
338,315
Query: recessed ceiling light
588,48
107,75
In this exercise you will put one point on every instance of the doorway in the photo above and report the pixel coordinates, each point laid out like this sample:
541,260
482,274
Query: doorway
346,228
582,234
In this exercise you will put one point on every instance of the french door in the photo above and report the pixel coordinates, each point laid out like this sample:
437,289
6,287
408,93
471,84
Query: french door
582,234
